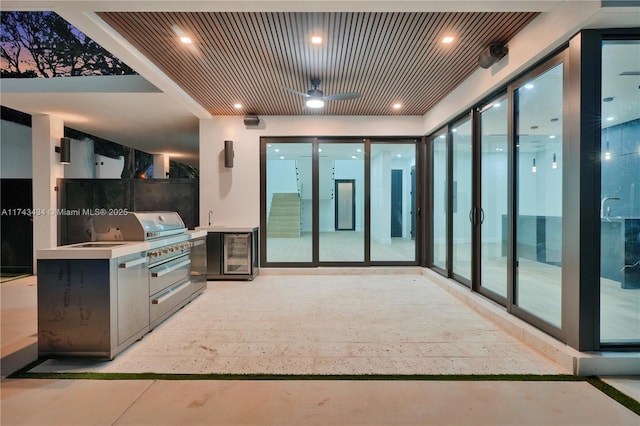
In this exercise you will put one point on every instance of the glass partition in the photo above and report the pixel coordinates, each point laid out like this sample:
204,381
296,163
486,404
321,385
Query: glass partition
393,225
620,194
539,195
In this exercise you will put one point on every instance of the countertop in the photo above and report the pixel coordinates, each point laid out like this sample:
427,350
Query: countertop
224,228
106,249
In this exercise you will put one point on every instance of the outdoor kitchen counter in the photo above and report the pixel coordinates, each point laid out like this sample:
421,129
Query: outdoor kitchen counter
104,249
227,229
197,233
93,250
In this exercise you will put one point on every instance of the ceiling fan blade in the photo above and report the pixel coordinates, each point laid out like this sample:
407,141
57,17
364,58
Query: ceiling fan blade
295,91
342,96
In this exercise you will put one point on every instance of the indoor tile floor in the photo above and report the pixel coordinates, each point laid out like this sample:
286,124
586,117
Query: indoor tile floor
345,324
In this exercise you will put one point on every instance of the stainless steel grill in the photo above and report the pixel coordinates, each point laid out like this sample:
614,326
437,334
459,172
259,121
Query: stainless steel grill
137,226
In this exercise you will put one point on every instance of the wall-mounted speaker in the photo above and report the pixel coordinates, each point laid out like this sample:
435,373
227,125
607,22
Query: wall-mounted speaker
251,120
492,54
228,154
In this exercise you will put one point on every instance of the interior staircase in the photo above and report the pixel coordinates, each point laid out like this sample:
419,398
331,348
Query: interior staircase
284,216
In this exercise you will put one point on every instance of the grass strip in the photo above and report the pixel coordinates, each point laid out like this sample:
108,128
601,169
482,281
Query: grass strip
25,374
615,394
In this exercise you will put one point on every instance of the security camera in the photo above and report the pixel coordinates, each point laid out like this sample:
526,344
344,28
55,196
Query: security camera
492,54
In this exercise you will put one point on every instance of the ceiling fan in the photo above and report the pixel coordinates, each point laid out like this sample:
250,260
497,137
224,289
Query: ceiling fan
316,98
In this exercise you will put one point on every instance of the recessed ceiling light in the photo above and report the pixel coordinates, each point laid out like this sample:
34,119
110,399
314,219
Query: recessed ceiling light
399,155
282,157
496,105
552,136
528,86
237,106
397,106
186,40
268,145
316,40
358,150
447,40
354,157
609,118
277,150
319,149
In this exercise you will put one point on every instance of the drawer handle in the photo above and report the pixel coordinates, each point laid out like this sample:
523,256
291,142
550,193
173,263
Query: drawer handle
135,262
170,269
169,293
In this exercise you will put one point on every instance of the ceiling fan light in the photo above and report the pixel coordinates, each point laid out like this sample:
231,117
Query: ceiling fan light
315,103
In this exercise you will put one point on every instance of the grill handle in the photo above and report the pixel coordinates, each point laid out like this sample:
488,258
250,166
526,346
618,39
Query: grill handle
168,294
135,262
171,268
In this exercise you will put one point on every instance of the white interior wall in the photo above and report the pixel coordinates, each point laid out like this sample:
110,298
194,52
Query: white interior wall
234,194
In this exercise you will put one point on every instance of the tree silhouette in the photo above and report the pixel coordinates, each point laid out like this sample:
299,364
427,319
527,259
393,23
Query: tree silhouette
42,44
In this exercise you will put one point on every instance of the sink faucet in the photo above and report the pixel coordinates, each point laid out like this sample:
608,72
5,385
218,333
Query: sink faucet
604,200
210,217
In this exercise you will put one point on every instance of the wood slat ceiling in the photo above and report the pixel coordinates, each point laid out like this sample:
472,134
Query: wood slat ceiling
248,57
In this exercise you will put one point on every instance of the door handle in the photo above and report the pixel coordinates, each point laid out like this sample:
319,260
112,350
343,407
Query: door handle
419,213
481,216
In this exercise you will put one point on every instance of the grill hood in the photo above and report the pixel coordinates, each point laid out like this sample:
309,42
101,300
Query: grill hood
136,226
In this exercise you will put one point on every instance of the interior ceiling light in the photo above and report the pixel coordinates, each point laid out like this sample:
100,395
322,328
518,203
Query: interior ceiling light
237,106
316,40
186,40
529,86
397,106
447,40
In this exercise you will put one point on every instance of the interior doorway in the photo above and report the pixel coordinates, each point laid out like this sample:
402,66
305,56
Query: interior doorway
396,203
345,205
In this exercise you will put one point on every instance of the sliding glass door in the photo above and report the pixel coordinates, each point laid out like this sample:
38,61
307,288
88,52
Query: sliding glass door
288,205
538,121
393,202
339,202
493,214
461,197
620,195
439,201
